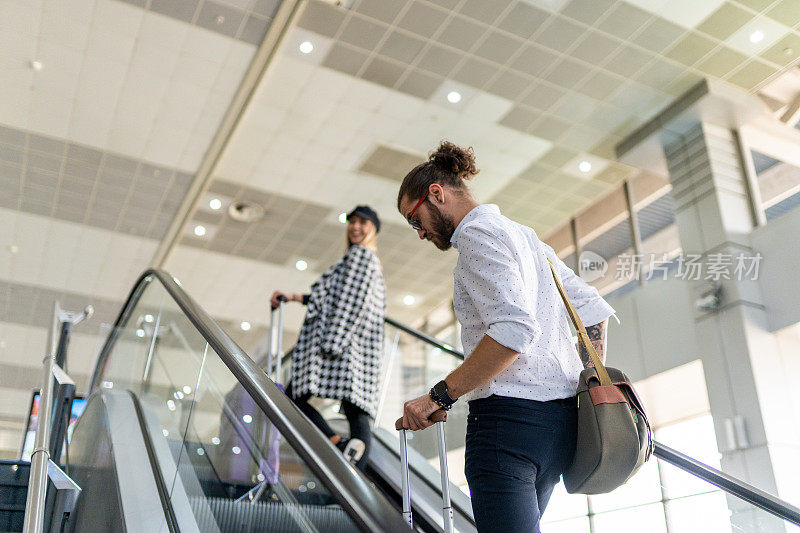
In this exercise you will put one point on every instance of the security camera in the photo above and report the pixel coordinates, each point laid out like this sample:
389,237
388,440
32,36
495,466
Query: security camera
708,297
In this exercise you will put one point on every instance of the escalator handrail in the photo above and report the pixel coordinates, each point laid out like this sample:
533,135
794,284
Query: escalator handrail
729,484
370,510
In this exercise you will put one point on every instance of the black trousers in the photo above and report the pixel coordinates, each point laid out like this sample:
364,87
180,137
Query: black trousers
516,452
357,418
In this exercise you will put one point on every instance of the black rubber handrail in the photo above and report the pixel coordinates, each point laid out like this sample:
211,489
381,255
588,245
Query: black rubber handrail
370,510
729,484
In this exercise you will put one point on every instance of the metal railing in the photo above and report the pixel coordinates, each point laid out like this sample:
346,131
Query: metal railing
48,443
370,510
727,483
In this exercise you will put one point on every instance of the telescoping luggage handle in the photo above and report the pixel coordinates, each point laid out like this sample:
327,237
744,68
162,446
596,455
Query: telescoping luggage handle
439,418
276,348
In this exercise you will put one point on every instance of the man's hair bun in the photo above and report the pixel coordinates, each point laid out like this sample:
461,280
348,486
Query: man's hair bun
455,160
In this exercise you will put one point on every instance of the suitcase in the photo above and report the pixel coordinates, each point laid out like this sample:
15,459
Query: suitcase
439,418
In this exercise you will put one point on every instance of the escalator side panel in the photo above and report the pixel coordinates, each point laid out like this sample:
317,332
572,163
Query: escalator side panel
109,460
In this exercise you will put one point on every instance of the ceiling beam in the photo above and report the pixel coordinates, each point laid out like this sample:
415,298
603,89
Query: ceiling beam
285,19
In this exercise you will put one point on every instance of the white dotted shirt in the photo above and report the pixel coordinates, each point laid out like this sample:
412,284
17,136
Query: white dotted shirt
504,288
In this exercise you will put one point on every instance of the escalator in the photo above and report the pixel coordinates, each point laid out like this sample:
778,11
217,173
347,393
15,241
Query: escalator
183,432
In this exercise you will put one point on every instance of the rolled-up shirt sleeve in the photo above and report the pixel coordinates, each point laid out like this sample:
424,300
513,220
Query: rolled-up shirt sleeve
591,307
494,284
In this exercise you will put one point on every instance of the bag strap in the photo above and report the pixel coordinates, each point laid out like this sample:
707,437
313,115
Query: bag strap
583,337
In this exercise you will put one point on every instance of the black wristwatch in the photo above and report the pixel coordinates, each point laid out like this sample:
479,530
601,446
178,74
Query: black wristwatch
440,394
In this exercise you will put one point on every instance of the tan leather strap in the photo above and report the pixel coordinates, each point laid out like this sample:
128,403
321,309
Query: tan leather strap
583,337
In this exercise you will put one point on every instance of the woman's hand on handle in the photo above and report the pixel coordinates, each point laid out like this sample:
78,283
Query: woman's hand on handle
417,413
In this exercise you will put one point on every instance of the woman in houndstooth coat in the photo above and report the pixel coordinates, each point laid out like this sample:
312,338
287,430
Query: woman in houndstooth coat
340,348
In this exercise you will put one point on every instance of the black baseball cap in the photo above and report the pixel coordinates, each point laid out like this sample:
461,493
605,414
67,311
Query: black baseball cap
367,213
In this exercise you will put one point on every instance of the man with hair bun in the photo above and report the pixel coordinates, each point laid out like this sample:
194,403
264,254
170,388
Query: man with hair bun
521,372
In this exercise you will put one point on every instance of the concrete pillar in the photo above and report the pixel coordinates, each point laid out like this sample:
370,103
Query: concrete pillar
746,388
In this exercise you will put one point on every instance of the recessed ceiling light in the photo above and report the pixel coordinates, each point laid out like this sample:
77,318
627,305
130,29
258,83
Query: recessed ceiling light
788,51
245,326
757,36
409,299
165,432
301,265
343,218
201,451
140,333
584,166
13,248
187,389
215,441
236,450
454,97
199,230
219,20
247,419
148,318
215,203
306,47
36,65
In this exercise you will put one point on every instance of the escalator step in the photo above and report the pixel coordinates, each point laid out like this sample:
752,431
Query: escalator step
278,517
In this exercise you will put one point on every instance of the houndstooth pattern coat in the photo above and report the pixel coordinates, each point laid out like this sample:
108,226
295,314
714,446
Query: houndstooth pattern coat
340,347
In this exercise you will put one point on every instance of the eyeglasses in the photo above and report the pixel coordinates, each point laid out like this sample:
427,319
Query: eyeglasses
415,225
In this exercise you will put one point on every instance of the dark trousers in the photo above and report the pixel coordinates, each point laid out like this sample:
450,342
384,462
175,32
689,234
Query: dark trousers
357,418
515,454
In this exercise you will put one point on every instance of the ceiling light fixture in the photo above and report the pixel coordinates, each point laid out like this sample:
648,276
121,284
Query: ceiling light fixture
301,265
409,299
36,65
454,97
306,47
757,36
13,248
215,441
343,218
148,318
245,326
215,204
199,230
219,20
584,166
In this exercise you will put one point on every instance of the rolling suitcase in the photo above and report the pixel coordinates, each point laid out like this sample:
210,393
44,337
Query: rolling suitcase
439,418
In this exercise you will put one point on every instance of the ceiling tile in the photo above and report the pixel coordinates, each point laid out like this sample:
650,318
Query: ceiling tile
267,8
575,107
46,145
595,47
383,10
543,96
345,59
362,33
390,163
628,60
772,32
12,137
401,47
439,60
461,33
786,12
549,127
557,157
752,74
691,48
723,22
383,72
483,11
254,29
420,84
624,19
220,18
523,20
422,19
599,85
509,85
498,47
567,73
180,9
475,73
721,62
784,51
520,118
322,18
84,154
586,11
534,60
659,74
658,35
560,34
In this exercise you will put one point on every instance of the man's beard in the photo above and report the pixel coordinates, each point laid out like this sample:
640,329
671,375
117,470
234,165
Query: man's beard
443,229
